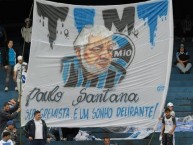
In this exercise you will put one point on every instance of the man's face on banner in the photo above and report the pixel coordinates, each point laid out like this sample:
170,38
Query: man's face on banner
97,55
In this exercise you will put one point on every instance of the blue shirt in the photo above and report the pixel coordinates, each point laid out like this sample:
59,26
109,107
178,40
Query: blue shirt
12,57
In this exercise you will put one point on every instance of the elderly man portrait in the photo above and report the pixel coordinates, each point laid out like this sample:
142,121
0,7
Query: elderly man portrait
93,64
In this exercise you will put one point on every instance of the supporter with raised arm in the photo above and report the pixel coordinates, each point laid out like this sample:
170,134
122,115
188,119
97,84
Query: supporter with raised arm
9,111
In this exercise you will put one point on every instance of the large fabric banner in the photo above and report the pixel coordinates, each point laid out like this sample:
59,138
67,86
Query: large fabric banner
99,66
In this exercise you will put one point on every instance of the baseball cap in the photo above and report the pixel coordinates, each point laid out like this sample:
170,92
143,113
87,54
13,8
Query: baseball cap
10,122
170,104
19,57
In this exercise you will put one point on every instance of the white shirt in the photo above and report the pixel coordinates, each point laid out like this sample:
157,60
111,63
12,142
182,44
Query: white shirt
172,113
17,68
39,129
9,142
26,34
169,123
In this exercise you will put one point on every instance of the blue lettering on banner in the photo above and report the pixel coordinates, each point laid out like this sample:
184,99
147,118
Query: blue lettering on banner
101,113
55,113
83,113
136,111
47,113
29,114
95,113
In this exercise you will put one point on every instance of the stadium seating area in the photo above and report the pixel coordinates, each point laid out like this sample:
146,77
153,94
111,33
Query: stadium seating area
180,93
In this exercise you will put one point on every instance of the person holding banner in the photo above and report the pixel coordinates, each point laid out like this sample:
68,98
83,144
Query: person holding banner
99,61
168,128
26,32
10,111
20,74
170,105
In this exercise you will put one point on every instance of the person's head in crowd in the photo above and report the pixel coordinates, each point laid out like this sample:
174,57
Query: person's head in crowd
6,136
10,43
167,112
6,107
170,105
11,105
107,141
27,22
182,49
94,48
37,115
20,59
10,124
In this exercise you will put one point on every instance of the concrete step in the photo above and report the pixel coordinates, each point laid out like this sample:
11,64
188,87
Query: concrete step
181,102
175,70
180,89
183,108
183,114
181,77
179,95
184,83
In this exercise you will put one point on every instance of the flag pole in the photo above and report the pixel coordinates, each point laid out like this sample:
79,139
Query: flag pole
20,94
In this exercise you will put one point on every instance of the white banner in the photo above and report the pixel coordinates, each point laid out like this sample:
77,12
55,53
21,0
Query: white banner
99,66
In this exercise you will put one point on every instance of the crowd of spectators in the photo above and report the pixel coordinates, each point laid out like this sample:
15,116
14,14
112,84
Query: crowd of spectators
8,116
13,61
